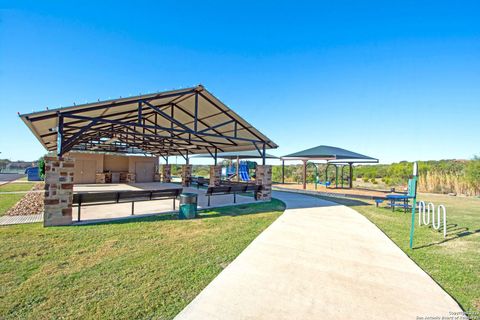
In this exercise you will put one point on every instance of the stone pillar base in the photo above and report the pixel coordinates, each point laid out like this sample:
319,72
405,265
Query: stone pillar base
58,191
215,175
130,178
263,175
167,173
186,175
101,178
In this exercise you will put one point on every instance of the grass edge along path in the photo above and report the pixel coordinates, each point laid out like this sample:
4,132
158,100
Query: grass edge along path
139,268
451,262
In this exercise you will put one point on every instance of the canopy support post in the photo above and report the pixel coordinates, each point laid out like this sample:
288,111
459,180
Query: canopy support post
351,175
238,169
283,171
336,177
304,174
263,155
343,167
60,137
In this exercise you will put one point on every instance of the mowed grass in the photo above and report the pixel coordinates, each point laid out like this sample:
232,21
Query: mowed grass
453,262
146,268
10,187
8,200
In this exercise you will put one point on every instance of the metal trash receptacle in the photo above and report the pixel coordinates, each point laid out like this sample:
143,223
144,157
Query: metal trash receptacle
188,206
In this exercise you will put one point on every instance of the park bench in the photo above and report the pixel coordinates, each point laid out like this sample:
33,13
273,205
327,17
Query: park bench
103,198
200,181
233,189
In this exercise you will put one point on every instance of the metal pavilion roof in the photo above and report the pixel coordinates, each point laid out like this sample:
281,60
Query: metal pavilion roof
178,122
330,154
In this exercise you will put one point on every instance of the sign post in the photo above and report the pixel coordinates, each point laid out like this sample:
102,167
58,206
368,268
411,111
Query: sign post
412,192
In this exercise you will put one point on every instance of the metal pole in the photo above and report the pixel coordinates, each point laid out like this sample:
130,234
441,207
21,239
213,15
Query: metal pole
238,168
351,175
336,176
414,205
215,157
304,174
342,175
263,155
283,171
60,136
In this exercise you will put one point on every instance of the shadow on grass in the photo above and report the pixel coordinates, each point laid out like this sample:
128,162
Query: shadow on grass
349,202
463,232
228,211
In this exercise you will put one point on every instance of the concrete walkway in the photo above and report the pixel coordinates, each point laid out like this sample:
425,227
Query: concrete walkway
9,220
320,260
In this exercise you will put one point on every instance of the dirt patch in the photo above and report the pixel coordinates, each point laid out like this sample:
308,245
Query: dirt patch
31,203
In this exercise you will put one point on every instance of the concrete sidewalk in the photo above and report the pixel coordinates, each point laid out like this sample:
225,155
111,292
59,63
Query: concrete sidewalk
320,260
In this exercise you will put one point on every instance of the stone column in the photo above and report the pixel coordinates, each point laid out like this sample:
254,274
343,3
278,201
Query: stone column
186,175
131,177
166,173
215,175
263,177
58,191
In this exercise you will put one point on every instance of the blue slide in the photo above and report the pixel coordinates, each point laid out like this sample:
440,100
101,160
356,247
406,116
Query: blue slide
243,171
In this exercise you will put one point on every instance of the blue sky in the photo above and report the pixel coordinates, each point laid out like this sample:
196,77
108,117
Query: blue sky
397,80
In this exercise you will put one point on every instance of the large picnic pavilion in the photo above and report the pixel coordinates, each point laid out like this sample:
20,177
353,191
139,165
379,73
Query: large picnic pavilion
159,125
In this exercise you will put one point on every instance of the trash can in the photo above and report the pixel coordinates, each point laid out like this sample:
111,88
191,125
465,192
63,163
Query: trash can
188,206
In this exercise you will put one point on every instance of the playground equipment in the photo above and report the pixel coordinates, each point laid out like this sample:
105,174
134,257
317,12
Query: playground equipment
243,171
244,167
427,211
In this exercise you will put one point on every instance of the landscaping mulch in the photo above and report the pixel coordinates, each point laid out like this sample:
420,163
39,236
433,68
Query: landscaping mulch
31,203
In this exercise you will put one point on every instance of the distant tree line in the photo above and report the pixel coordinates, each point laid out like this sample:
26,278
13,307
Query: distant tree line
444,176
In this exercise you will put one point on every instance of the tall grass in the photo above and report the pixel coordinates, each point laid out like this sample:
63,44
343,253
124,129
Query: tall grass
440,182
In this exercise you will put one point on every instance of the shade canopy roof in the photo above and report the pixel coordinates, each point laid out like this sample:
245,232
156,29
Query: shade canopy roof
330,154
178,122
240,155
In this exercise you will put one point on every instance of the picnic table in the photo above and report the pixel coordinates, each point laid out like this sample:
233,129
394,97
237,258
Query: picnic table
399,200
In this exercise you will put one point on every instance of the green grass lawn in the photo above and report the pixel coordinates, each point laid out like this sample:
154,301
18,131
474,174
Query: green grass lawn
8,200
453,262
9,187
145,268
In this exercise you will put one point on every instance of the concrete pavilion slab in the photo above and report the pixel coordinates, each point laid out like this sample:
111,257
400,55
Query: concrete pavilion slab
145,208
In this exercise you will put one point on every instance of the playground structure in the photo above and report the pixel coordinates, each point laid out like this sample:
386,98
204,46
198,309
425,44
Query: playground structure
236,169
240,170
333,156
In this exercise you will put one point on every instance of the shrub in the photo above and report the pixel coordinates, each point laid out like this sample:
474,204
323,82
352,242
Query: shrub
41,168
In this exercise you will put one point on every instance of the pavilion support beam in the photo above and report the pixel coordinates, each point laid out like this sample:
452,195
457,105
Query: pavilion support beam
60,136
304,174
238,169
283,171
351,175
336,176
